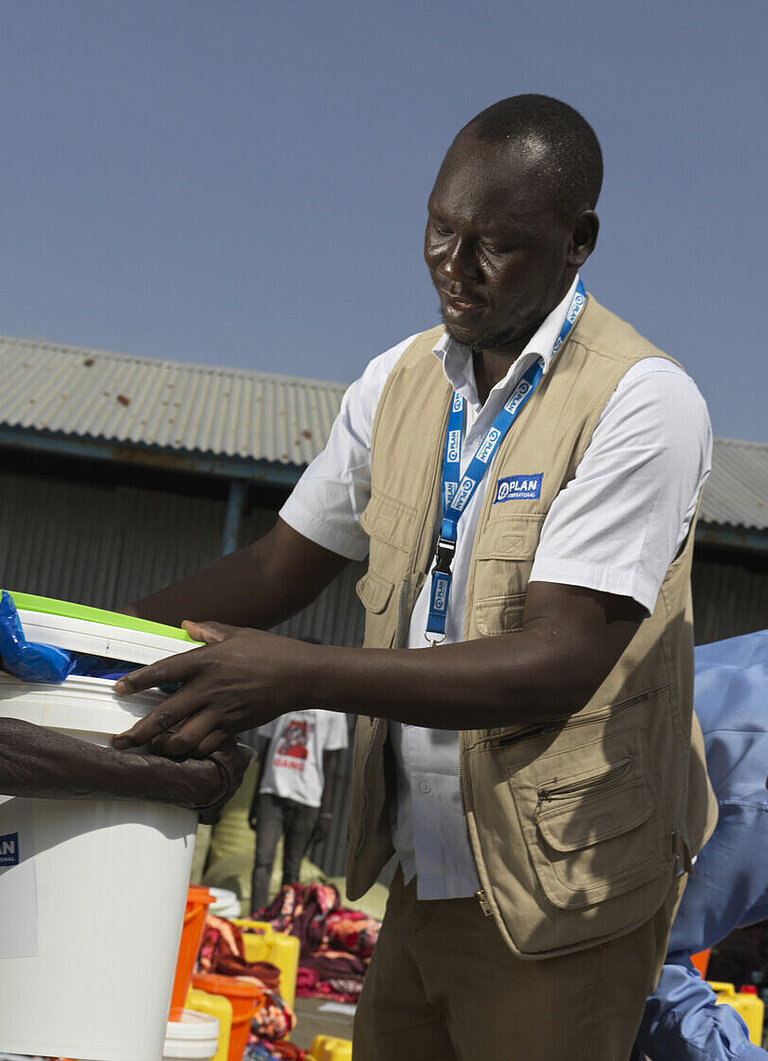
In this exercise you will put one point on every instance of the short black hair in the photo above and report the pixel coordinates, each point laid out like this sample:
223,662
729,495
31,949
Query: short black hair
574,161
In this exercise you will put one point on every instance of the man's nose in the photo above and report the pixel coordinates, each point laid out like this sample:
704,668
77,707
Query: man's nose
459,263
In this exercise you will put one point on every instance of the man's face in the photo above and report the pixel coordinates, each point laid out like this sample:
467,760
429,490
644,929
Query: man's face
497,252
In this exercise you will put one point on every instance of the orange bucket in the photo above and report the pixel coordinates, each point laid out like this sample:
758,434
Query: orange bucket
245,996
198,901
700,961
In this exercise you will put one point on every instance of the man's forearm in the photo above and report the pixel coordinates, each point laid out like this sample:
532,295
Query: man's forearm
40,763
258,586
548,670
476,684
571,638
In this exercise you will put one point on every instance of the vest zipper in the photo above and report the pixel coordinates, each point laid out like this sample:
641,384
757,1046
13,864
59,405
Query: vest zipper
480,894
485,906
402,607
523,734
571,722
605,780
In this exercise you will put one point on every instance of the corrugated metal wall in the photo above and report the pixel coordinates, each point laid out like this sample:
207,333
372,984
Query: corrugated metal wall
106,545
100,545
730,594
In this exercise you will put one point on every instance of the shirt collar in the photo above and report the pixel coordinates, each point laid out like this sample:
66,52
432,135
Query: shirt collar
456,357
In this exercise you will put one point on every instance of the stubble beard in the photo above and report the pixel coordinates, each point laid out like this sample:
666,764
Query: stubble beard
491,341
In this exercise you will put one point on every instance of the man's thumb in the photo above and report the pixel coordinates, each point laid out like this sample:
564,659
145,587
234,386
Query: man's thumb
209,632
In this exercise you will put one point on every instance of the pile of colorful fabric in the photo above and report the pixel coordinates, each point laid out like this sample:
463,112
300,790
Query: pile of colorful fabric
222,952
336,943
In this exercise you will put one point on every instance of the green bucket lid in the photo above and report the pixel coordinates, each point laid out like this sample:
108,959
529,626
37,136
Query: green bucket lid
48,606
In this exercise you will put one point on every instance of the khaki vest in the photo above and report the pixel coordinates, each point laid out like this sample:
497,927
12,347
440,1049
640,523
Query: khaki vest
577,826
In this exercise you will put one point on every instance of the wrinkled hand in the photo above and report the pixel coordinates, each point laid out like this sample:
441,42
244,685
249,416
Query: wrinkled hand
232,760
239,679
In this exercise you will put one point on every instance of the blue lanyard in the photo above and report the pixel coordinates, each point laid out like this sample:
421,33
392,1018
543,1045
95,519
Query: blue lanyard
457,493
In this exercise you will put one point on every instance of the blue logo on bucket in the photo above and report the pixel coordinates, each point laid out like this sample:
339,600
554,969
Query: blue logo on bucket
518,488
9,850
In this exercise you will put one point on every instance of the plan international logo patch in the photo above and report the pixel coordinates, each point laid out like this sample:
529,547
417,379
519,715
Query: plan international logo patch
9,850
518,488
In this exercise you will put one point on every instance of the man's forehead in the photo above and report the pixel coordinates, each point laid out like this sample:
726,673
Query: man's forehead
504,174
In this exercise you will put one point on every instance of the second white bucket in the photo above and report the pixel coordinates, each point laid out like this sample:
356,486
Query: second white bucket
92,897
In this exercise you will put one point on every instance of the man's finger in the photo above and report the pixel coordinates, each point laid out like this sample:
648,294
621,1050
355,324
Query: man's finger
197,737
209,632
170,713
165,672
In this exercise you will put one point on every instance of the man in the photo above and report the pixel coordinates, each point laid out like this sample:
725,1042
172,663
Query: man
298,766
729,888
533,772
41,763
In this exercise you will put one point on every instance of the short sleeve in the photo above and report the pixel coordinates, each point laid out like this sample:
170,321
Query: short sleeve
327,502
337,736
617,526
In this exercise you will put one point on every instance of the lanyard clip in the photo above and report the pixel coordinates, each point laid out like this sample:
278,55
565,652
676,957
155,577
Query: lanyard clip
444,555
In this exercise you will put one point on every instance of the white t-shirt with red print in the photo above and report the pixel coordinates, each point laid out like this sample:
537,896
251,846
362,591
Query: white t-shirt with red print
294,765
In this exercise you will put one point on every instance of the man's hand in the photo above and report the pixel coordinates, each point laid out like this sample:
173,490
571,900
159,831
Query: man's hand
241,678
231,761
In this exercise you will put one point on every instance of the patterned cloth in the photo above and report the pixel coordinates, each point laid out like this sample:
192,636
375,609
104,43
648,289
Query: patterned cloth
222,951
336,943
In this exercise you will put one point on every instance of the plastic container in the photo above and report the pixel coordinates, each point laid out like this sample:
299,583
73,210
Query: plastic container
328,1048
101,633
701,961
195,1035
245,996
225,903
219,1007
198,901
263,944
100,886
747,1004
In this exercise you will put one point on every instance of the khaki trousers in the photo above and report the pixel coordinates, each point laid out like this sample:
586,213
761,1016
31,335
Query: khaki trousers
443,986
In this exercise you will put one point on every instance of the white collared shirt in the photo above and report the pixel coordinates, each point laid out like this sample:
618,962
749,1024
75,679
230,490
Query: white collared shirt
615,528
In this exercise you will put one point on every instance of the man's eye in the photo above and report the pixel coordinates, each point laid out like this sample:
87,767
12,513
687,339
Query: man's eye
495,249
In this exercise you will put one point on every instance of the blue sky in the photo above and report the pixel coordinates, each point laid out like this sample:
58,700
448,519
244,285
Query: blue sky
244,183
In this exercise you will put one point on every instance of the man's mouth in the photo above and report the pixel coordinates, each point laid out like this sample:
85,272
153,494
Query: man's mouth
460,304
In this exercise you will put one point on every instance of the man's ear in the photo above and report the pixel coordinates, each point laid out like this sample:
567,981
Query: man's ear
583,238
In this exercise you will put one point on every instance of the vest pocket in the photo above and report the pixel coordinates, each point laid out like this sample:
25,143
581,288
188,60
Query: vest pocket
374,592
388,520
595,834
499,615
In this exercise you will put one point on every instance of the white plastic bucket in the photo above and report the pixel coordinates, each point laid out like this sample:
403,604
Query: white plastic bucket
96,901
196,1035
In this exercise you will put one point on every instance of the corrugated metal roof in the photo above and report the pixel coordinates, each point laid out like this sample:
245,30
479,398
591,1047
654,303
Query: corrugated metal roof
91,394
171,404
736,492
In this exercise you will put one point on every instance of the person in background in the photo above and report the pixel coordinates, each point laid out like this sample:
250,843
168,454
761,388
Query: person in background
299,757
729,886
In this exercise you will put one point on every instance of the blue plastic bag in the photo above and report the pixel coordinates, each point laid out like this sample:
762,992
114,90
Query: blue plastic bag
26,659
33,662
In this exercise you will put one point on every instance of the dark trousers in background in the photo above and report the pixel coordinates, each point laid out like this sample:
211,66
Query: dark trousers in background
278,817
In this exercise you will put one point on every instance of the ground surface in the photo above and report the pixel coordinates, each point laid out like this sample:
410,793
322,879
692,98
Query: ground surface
312,1021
